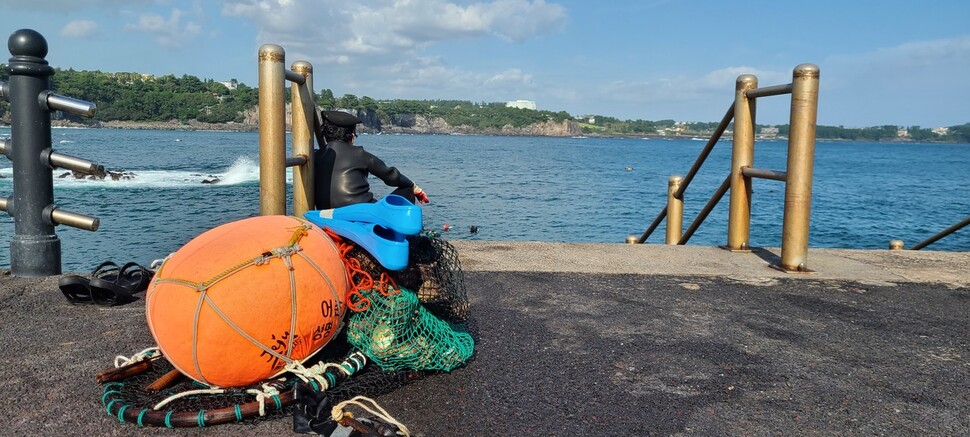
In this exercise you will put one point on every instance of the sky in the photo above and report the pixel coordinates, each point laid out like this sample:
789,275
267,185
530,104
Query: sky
888,62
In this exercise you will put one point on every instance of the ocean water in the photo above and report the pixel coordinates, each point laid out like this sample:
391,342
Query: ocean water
511,188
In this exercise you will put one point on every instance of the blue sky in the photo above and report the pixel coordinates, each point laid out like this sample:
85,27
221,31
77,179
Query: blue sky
882,62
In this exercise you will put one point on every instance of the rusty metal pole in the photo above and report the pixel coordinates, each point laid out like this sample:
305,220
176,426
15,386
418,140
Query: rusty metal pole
675,210
272,131
801,161
739,213
35,249
303,135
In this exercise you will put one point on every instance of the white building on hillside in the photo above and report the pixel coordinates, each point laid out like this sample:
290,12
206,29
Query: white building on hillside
521,104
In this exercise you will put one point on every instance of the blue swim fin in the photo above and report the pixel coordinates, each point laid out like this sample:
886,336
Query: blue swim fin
392,211
390,248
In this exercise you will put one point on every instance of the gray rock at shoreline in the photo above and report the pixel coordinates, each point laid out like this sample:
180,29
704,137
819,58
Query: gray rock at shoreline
108,174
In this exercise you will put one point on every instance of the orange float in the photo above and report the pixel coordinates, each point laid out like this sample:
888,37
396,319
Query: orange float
240,302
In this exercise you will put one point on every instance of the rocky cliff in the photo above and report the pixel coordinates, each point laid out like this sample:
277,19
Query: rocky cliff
407,123
416,124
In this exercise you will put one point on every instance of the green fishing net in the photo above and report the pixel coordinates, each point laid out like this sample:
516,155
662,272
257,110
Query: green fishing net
396,332
433,273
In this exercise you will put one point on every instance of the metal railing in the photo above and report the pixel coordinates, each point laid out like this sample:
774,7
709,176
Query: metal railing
898,244
797,177
35,249
273,160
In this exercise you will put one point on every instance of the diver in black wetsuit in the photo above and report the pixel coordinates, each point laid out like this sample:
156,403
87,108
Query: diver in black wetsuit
341,168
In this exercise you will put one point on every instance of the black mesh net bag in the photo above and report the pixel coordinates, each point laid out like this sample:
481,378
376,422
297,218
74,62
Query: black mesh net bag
433,273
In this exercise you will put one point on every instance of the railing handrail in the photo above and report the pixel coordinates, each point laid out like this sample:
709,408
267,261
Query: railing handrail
706,151
804,91
35,249
701,158
956,227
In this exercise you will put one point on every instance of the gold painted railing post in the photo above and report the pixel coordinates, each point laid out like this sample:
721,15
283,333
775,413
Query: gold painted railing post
739,214
801,160
272,131
675,210
302,128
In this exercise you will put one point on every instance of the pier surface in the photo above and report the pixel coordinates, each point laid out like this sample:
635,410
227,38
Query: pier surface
600,340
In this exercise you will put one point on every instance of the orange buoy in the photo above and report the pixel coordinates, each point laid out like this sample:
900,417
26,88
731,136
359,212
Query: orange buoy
238,303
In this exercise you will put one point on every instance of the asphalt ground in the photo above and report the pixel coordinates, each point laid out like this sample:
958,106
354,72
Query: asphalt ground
599,340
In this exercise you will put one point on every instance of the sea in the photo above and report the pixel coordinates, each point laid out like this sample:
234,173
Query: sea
501,188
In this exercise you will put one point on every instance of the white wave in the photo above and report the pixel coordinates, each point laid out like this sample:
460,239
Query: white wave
243,170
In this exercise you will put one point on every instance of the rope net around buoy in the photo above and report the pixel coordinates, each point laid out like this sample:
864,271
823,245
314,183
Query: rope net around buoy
408,335
199,306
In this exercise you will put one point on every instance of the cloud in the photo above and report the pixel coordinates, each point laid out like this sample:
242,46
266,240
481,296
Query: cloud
80,29
382,47
713,86
391,29
74,5
511,76
168,32
425,76
937,56
906,84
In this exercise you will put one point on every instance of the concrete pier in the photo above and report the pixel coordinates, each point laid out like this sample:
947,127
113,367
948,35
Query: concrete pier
600,340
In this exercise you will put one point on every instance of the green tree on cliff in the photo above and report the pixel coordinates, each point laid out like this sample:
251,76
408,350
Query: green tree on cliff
326,100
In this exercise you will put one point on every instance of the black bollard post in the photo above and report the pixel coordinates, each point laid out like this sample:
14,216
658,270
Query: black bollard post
35,249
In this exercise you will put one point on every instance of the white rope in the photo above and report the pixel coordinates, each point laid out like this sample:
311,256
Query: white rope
315,372
155,264
268,391
337,413
121,360
207,391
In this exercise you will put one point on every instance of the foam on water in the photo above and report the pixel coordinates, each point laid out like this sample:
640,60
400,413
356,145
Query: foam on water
242,171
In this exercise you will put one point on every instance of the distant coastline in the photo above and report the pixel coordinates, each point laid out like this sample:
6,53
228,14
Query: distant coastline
194,125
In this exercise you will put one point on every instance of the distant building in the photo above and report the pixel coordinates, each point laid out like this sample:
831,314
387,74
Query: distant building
230,84
941,130
769,132
902,133
521,104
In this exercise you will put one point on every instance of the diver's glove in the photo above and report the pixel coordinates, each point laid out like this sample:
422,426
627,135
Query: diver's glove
420,195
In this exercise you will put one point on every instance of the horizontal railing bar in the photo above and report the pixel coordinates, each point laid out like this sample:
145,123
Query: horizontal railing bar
75,220
768,91
942,234
4,144
293,161
3,203
701,216
764,174
702,157
4,91
71,105
293,76
69,162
